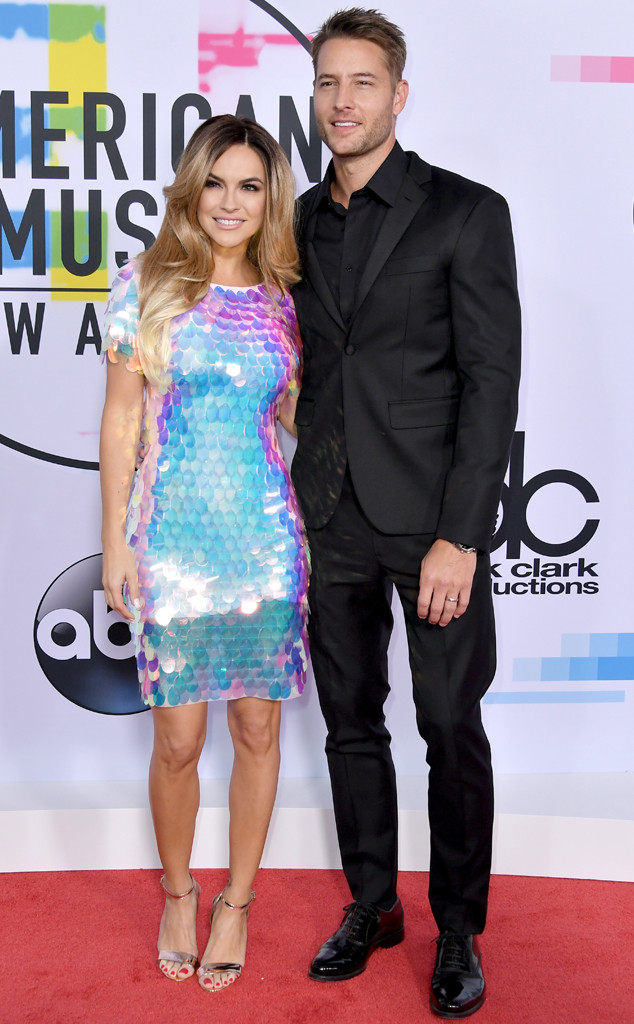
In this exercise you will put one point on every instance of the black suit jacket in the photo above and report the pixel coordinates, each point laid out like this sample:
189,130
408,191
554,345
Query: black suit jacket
418,394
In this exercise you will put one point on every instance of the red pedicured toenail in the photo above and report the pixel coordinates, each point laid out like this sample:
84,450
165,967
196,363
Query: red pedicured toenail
184,970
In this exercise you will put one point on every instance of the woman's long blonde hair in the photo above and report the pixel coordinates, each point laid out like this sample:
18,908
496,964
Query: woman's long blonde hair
177,268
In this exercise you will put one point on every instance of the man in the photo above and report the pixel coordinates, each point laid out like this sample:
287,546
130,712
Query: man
410,321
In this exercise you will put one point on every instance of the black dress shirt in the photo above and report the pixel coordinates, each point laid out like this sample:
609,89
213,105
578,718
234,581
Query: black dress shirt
343,237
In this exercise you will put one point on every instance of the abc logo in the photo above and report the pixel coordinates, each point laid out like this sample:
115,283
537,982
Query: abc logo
83,647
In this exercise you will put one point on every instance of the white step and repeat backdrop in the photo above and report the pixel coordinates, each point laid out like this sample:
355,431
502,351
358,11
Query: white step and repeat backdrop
532,99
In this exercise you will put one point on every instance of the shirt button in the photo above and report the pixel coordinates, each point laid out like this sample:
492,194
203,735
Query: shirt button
350,350
349,269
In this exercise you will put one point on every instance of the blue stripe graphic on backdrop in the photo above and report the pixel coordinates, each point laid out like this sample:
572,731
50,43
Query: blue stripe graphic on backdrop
556,697
585,657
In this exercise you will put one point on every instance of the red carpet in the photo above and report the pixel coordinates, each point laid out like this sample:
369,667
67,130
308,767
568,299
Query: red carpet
78,947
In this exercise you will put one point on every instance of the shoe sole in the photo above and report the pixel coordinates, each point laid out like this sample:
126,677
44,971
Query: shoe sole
389,940
457,1014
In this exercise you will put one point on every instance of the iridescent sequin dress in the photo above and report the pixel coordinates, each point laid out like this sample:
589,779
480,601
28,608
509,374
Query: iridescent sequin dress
212,518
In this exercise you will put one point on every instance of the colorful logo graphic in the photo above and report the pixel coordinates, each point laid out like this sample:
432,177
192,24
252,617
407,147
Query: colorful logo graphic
591,69
70,243
585,657
240,49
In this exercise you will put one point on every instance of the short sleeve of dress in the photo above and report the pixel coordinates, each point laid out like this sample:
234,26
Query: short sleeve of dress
121,320
295,382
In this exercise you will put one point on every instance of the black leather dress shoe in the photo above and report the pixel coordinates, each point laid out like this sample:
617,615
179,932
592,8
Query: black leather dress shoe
457,984
363,929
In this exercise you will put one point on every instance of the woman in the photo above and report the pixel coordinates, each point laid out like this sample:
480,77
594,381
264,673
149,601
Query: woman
204,552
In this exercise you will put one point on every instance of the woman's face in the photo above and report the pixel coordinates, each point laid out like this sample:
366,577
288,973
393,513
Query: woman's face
232,203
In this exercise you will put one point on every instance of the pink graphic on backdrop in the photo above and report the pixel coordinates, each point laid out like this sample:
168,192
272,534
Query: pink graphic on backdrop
591,69
233,49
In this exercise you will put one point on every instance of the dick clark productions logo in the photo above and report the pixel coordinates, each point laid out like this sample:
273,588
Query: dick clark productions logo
546,574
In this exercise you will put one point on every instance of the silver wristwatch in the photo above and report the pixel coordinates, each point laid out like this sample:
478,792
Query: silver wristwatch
464,548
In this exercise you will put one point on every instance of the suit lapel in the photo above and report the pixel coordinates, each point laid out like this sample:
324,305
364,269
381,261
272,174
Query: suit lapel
410,198
316,277
310,264
397,219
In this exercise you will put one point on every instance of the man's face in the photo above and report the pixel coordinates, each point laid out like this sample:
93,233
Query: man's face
355,101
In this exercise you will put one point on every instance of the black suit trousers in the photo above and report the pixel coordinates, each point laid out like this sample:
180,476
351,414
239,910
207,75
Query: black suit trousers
354,571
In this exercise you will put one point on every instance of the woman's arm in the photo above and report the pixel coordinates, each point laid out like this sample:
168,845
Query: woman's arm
120,431
286,411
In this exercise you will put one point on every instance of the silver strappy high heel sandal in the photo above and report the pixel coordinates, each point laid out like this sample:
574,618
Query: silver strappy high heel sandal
178,957
206,971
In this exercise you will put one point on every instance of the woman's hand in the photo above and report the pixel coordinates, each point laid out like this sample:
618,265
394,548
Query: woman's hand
119,569
286,412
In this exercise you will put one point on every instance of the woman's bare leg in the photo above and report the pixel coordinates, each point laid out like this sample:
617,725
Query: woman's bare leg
254,725
179,735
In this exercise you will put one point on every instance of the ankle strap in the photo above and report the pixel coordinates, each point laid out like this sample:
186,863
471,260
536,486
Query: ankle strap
179,895
238,906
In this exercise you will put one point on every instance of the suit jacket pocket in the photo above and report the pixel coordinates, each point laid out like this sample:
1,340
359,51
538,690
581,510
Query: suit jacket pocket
413,264
430,412
305,411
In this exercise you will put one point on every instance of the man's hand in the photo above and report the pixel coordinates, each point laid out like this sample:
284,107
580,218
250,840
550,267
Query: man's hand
446,575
